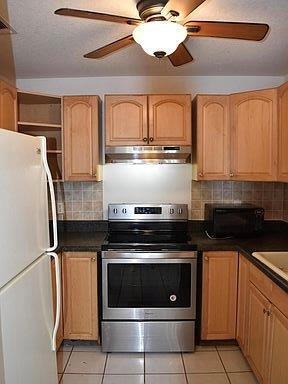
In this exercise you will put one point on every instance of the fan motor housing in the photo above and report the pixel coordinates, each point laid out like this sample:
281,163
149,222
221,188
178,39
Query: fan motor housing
150,8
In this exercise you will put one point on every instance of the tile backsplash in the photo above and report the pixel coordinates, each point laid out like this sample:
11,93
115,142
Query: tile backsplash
79,200
271,196
84,200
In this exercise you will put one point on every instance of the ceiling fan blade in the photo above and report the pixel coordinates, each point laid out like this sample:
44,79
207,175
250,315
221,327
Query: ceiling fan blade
244,31
110,48
97,16
183,7
181,56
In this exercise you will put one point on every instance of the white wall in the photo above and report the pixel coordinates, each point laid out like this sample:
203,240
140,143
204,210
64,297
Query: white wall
147,183
165,183
165,84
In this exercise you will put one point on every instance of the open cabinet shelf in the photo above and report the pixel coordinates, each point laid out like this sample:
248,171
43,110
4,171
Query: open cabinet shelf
41,115
24,125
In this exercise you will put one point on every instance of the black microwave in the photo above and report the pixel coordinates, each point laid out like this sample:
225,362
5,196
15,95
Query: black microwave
233,220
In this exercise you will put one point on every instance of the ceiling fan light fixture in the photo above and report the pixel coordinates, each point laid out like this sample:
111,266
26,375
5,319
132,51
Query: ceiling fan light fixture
159,36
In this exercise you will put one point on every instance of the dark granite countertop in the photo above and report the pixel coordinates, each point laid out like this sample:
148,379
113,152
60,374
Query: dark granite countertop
89,237
81,241
274,238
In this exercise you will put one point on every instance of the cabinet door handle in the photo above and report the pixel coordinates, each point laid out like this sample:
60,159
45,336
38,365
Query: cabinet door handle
151,139
200,174
206,258
93,259
231,174
267,312
145,139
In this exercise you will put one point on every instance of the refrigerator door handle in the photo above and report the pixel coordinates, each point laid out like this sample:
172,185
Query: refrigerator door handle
52,193
58,298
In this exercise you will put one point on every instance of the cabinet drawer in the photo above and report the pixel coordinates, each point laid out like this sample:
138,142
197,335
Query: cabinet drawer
261,281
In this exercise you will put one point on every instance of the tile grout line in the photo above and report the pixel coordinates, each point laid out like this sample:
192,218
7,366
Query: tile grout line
64,370
226,373
104,370
186,377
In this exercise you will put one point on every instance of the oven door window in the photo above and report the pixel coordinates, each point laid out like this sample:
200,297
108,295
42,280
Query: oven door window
151,285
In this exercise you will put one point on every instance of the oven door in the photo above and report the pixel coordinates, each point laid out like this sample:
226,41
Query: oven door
149,286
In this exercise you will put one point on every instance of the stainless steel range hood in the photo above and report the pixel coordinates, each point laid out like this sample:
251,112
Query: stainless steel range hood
149,154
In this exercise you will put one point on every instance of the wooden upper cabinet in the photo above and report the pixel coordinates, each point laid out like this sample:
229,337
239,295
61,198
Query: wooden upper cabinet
81,143
254,135
212,138
80,307
283,132
8,106
257,331
169,119
126,120
219,295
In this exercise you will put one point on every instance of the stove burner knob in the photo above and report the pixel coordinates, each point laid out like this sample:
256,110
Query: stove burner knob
115,210
180,211
171,211
173,298
124,210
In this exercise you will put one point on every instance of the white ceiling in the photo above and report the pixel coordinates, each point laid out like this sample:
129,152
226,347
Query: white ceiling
47,45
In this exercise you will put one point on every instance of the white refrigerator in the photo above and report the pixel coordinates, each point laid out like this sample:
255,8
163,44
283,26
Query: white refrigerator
27,325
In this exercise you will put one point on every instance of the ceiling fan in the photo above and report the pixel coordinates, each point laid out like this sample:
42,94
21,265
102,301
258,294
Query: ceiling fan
162,29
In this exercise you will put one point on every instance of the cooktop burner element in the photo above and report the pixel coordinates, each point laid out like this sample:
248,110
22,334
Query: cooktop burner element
148,227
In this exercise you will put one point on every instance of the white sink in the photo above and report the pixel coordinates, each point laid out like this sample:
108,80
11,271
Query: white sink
277,261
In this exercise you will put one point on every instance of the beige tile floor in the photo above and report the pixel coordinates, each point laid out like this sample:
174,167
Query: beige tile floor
84,363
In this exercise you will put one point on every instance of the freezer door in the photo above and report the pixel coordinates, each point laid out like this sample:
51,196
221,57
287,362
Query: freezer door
24,231
26,327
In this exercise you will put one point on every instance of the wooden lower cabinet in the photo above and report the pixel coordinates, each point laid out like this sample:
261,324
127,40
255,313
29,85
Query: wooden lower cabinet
278,349
79,271
262,328
258,311
60,333
219,295
243,278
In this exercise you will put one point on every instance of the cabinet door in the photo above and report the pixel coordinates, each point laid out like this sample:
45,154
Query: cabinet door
80,295
243,281
126,120
60,333
219,295
278,349
257,330
254,135
81,138
213,141
283,132
8,106
169,119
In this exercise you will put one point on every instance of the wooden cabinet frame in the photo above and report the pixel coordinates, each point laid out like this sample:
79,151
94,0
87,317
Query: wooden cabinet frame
80,295
211,158
81,138
219,290
224,130
142,126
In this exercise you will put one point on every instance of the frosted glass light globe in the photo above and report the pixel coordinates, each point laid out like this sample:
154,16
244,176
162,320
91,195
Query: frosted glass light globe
159,36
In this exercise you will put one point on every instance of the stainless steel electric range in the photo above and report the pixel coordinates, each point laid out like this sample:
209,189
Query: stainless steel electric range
148,280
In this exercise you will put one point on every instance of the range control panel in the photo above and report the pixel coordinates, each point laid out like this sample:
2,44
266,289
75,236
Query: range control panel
147,212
